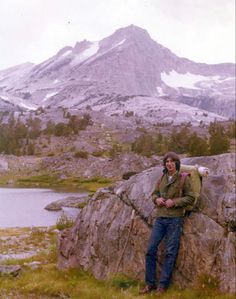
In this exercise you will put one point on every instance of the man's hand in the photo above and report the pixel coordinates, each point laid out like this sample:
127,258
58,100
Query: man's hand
160,201
169,203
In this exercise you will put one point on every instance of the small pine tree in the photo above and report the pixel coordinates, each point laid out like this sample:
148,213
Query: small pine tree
231,130
144,145
179,140
197,146
219,142
50,128
30,149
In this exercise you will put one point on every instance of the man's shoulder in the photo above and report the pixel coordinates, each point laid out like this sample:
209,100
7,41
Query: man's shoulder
183,175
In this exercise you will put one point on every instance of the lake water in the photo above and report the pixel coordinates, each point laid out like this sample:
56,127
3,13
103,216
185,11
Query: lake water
25,207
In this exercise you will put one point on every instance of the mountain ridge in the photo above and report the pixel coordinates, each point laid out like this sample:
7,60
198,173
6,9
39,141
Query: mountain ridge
127,63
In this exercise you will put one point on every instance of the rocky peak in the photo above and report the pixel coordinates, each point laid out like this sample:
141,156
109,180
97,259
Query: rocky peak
134,36
131,31
63,50
81,46
127,63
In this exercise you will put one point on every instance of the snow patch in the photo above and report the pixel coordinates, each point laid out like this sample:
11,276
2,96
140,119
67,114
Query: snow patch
188,80
18,102
118,44
66,53
49,95
106,51
27,106
90,51
227,79
56,81
4,98
160,91
114,46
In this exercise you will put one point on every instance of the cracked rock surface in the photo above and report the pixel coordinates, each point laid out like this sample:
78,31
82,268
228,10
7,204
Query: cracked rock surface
105,240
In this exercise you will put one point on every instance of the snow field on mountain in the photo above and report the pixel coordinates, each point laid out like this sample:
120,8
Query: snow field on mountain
188,80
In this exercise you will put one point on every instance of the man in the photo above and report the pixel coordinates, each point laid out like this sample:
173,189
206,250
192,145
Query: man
170,202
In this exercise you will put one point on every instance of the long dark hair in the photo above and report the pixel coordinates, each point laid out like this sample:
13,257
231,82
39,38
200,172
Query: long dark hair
174,157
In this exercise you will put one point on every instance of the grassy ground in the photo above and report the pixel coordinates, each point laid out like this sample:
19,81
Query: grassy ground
46,281
53,181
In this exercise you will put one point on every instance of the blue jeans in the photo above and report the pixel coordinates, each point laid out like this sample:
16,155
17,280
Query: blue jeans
171,229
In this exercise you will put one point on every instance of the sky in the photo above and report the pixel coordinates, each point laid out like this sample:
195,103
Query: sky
34,30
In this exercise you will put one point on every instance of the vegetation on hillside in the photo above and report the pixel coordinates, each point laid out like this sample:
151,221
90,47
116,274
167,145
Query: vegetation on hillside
184,141
18,137
31,136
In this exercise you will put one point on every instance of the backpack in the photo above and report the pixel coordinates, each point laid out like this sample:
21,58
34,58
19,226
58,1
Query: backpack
195,173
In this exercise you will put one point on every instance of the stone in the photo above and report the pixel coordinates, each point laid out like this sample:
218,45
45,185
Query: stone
3,164
104,228
33,265
10,270
71,202
10,182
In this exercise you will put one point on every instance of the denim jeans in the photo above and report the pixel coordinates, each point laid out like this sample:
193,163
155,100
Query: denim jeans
171,229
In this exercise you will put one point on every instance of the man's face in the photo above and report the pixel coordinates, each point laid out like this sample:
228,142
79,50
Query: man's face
170,165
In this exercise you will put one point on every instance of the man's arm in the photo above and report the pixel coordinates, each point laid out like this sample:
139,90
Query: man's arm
156,195
157,199
188,195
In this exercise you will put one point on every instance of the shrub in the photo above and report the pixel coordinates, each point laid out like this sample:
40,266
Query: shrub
123,282
129,113
128,174
64,222
62,129
219,142
51,154
115,150
197,146
81,154
144,145
98,153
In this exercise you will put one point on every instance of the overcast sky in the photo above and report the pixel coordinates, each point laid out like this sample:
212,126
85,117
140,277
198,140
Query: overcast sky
34,30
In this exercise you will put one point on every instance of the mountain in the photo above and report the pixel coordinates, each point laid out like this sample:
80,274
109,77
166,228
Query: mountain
127,71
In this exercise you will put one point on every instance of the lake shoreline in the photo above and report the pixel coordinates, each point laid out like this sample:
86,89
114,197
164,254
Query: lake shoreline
25,207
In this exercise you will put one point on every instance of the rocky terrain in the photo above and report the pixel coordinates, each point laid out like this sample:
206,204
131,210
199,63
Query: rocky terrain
19,243
105,240
23,243
66,165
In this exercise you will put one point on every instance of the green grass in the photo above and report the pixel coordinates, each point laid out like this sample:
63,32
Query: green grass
68,184
3,181
43,180
64,222
48,281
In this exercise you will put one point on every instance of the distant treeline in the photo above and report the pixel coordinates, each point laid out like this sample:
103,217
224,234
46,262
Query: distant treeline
185,141
17,137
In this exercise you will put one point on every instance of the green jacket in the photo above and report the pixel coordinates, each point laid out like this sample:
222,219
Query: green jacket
171,190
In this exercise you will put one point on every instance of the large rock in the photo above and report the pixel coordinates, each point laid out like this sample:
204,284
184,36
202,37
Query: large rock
13,165
3,164
70,202
104,239
10,270
68,165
